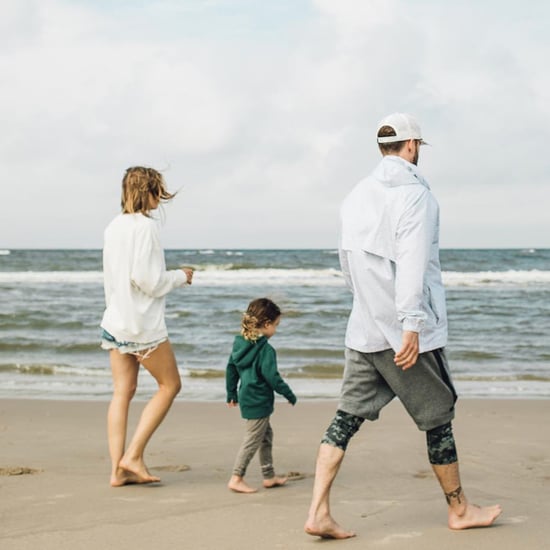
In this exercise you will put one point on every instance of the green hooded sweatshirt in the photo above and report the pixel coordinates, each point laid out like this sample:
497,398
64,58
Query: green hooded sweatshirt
255,365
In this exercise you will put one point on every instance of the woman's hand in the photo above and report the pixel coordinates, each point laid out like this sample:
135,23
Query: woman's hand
189,273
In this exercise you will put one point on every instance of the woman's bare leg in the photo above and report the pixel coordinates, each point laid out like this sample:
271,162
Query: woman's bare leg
124,370
162,366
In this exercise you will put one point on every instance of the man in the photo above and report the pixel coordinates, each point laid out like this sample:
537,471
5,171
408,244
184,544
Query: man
397,329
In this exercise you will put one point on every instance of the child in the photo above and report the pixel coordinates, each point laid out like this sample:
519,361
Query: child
253,361
134,331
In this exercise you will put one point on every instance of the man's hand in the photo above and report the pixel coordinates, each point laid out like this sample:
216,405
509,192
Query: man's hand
408,354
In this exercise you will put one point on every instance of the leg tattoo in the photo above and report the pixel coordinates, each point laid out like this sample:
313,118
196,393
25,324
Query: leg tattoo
454,494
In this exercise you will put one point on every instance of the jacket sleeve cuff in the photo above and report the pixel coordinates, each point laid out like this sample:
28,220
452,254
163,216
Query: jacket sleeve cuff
413,324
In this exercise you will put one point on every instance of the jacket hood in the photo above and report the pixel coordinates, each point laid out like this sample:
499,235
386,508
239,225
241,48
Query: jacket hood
394,171
245,351
369,214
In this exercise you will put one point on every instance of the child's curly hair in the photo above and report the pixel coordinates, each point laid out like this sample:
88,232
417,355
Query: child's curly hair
138,186
259,312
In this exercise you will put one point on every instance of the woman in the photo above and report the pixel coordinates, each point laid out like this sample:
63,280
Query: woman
134,330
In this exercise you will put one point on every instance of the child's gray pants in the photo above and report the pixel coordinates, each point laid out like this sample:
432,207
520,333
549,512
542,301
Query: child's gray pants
259,435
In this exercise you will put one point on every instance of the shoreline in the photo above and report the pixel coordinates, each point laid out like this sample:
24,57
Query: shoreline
385,490
310,400
211,389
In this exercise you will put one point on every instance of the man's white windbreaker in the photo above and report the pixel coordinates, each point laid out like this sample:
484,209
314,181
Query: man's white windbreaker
389,254
135,280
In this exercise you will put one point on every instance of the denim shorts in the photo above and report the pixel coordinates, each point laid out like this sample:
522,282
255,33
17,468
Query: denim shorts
142,350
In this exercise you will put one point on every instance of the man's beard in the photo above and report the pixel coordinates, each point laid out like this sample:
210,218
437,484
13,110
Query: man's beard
415,158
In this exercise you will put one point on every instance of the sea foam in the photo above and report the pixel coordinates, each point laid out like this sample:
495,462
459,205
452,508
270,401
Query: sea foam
228,276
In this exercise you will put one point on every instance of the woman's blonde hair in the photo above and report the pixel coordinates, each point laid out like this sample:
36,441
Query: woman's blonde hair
259,312
139,184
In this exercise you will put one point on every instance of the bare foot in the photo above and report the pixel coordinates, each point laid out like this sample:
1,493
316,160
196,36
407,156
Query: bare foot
327,529
123,477
138,470
474,516
274,482
238,484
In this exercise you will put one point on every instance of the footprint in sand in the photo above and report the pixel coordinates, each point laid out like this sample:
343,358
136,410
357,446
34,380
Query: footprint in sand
18,471
423,474
392,538
172,468
295,476
514,520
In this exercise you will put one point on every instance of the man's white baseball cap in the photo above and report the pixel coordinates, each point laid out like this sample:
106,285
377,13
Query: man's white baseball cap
405,126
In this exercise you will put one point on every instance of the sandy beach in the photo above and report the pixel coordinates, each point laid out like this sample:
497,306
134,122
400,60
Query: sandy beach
54,489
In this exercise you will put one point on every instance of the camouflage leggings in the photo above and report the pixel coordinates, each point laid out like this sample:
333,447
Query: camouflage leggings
342,428
440,440
441,445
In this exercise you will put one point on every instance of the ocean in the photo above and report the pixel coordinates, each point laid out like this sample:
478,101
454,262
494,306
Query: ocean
51,303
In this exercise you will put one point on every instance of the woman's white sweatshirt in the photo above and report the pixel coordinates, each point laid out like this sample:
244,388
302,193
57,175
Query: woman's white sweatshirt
135,280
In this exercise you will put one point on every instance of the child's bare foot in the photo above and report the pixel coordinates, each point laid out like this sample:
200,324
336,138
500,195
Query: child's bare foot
138,469
123,477
474,516
274,482
238,484
326,528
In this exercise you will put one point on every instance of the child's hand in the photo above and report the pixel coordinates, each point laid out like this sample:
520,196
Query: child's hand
232,404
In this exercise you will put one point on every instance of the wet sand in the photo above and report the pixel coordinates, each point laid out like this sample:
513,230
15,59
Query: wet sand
55,493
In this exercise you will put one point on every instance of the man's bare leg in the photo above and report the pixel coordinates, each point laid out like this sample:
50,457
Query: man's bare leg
462,514
319,522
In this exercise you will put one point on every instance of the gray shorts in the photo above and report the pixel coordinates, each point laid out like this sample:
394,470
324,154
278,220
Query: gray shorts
372,380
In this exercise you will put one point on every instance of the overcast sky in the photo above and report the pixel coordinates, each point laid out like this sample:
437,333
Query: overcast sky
263,114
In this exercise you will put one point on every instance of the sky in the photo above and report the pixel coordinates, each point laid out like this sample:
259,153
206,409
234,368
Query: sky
263,115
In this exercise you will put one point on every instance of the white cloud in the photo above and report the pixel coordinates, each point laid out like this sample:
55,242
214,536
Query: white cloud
266,117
